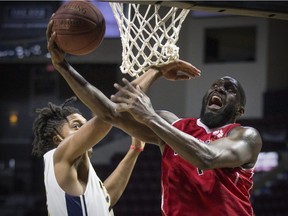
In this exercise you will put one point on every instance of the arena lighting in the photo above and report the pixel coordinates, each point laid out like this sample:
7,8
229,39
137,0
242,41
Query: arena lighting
13,118
267,161
21,52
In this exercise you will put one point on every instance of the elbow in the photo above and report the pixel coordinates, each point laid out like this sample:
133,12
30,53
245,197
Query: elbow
114,193
114,200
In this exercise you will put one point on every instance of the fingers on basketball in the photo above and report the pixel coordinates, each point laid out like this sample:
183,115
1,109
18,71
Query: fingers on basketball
80,27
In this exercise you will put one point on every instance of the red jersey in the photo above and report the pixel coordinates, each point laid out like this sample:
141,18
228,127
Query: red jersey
188,191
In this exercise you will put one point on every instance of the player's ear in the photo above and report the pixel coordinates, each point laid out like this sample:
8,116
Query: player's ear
57,139
241,111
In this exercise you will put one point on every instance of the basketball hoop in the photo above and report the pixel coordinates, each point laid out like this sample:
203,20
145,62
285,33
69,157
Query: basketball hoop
149,33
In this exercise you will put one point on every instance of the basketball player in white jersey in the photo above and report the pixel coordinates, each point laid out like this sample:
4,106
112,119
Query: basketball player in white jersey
65,139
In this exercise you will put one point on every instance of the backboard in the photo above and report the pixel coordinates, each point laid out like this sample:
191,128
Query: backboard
265,9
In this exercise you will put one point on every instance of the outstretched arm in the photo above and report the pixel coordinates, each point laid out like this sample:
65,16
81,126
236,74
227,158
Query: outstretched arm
118,180
93,98
103,107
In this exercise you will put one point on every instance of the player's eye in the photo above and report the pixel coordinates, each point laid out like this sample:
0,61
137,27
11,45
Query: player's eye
76,126
231,89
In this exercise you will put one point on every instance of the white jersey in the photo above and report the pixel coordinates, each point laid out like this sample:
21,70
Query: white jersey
94,202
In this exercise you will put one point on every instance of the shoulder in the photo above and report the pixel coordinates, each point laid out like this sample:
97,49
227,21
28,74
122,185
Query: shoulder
249,135
245,131
249,142
49,155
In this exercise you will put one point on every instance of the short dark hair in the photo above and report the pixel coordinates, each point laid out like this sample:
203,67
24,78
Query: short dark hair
49,120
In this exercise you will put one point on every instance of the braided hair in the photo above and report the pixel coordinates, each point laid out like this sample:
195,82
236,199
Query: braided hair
50,120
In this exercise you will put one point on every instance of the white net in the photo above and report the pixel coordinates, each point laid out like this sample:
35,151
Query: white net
149,34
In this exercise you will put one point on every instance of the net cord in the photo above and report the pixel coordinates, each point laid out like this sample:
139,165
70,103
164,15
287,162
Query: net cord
147,36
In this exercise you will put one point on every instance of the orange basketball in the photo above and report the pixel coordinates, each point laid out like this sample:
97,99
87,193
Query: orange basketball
79,26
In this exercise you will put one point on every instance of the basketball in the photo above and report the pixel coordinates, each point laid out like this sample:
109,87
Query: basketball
79,26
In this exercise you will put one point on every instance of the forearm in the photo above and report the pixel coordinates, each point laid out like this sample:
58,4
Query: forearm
118,180
92,97
147,79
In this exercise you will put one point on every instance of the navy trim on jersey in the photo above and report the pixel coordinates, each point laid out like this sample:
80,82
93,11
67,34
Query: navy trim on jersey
74,206
85,207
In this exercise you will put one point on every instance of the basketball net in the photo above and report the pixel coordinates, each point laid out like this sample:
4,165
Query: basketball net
148,34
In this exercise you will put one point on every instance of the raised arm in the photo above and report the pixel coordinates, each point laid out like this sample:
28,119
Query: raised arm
102,106
94,99
118,180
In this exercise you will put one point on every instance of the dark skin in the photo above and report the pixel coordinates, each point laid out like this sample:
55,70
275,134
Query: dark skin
225,93
132,111
239,149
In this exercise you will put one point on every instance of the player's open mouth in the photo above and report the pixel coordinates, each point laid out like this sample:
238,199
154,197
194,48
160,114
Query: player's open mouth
215,102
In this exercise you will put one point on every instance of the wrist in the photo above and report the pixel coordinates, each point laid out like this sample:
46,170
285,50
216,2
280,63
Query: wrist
64,64
133,147
156,70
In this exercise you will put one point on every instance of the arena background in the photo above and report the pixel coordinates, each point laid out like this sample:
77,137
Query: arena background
252,48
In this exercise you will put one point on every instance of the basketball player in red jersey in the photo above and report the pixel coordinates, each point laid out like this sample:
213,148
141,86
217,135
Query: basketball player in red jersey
207,163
